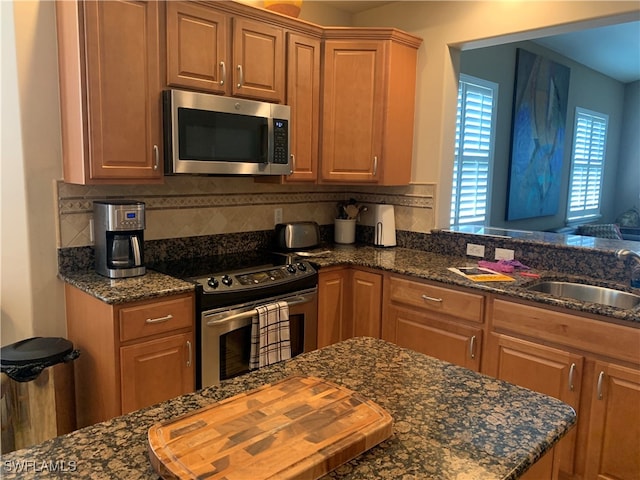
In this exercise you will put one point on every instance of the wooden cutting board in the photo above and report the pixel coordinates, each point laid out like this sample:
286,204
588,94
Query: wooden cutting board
299,428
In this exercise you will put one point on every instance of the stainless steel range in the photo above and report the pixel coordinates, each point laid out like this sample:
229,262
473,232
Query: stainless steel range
228,290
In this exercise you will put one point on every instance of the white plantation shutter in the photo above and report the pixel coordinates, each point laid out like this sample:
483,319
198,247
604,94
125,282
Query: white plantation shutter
475,132
587,165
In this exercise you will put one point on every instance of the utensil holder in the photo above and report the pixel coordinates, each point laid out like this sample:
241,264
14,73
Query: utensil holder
345,230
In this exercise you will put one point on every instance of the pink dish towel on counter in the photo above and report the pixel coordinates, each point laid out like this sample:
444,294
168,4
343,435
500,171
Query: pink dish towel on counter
270,336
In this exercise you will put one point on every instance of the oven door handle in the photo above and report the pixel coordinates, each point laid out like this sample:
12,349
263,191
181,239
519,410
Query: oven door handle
250,313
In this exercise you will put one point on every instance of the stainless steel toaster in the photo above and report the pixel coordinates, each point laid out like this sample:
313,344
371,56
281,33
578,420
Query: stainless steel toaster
297,235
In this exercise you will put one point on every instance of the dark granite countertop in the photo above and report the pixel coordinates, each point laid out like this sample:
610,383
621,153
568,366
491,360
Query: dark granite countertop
449,422
121,290
416,263
434,266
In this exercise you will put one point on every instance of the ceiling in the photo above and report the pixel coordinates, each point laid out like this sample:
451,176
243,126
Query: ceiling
612,50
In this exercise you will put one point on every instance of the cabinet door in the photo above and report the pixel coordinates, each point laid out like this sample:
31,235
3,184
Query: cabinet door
197,55
303,96
123,82
613,449
258,60
366,305
547,370
452,342
352,115
332,307
157,370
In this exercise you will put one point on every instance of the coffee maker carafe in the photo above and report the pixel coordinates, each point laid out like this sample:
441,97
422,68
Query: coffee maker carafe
119,238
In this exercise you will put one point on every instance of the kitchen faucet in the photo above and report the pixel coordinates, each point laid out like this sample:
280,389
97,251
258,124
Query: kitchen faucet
635,271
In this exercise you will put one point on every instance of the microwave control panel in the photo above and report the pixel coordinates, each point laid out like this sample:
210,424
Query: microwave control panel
280,141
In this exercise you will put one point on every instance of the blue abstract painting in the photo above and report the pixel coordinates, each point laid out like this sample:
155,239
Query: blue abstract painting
537,136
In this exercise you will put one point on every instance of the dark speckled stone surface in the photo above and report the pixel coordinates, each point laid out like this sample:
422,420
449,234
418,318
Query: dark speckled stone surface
122,290
449,422
434,266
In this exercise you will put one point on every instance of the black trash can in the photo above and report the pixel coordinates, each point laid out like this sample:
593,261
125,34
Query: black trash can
37,396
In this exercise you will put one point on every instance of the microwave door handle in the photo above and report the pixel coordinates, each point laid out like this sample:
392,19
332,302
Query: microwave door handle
135,245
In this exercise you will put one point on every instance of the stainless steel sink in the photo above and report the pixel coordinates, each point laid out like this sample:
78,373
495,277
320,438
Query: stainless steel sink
588,293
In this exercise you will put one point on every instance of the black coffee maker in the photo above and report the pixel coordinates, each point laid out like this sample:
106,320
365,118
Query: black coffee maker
118,227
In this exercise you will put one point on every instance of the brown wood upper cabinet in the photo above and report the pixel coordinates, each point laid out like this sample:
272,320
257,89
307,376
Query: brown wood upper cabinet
110,84
368,106
303,96
213,51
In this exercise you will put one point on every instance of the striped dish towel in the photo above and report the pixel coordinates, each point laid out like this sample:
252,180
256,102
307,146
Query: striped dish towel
270,340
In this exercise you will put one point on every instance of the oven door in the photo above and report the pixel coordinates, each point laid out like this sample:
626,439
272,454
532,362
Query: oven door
225,340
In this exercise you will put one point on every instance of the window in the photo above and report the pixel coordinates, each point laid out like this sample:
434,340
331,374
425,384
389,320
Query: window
475,133
587,165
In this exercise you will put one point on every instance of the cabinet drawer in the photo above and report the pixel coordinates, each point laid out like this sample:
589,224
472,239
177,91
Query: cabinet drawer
590,335
462,305
147,319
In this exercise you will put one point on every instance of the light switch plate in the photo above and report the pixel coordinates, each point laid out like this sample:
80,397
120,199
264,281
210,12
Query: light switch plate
474,250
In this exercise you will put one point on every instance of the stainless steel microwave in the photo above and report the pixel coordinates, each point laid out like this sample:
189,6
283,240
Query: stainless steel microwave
214,135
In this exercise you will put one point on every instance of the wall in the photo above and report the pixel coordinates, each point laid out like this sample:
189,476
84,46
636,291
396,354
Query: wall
32,296
497,64
627,194
449,27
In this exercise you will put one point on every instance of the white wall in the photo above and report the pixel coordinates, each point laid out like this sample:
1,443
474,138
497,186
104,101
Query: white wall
628,189
15,294
32,296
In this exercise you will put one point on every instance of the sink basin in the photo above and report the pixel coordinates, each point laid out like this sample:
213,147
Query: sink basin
588,293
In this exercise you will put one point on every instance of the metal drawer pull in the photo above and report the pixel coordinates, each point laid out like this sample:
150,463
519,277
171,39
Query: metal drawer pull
472,346
190,353
375,165
156,157
159,319
572,371
223,73
431,299
240,77
600,379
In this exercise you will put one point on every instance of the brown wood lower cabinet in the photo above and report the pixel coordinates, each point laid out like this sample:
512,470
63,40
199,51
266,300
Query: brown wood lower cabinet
547,370
459,344
591,364
441,322
132,355
613,441
349,304
156,370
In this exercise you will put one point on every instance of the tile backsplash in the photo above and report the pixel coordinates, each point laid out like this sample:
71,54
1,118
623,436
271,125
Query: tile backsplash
191,206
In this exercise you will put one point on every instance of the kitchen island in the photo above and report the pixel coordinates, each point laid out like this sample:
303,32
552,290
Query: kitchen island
449,422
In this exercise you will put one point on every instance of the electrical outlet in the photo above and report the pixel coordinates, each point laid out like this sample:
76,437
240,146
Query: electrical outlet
277,216
474,250
504,254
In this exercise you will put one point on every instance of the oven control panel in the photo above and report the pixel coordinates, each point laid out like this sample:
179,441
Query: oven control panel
251,279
